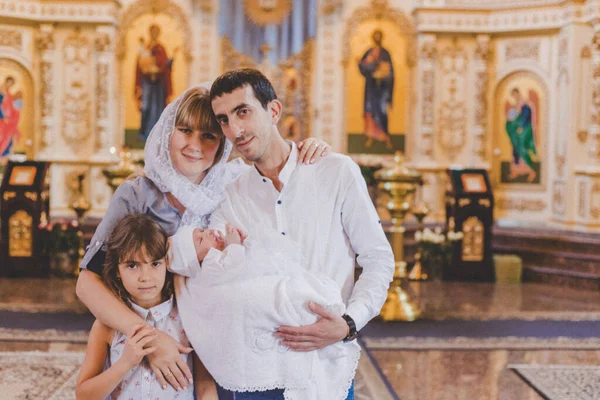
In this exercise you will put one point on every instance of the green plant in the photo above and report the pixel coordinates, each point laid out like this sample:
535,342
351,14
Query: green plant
60,237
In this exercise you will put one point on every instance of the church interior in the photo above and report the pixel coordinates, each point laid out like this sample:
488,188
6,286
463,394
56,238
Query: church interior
475,123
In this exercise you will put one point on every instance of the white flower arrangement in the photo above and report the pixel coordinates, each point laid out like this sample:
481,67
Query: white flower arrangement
435,248
437,236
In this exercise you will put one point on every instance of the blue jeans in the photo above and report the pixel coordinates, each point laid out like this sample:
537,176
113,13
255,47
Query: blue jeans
276,394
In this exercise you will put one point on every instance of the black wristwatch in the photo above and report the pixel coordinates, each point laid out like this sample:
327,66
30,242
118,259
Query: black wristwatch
352,333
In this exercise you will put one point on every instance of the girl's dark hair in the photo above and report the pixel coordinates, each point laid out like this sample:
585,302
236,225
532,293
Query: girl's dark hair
134,235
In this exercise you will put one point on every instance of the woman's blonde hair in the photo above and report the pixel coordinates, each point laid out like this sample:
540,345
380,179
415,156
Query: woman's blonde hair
134,235
195,112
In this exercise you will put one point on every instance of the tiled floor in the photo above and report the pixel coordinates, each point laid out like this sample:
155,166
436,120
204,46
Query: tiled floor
426,374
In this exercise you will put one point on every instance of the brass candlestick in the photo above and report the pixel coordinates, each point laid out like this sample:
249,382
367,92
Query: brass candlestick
81,206
420,212
399,182
117,174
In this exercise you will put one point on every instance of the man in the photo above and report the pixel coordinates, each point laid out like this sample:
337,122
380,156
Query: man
324,207
376,66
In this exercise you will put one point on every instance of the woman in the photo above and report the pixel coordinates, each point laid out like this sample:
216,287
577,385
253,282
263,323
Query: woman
186,171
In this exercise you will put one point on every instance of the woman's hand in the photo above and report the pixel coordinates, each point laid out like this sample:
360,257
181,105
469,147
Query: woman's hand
167,364
312,149
134,345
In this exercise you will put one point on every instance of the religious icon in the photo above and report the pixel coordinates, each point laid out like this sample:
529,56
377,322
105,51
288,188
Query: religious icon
376,66
521,127
11,104
153,85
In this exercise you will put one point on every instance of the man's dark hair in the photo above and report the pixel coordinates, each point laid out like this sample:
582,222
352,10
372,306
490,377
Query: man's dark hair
238,78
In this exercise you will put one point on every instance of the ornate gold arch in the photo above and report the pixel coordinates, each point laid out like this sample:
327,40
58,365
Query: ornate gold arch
380,10
142,7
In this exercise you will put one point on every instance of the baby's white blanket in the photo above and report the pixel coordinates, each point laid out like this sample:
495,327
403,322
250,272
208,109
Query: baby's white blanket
233,305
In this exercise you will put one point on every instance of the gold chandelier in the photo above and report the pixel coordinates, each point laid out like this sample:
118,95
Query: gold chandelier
267,12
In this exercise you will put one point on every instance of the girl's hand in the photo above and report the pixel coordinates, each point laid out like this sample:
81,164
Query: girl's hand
134,345
234,235
312,149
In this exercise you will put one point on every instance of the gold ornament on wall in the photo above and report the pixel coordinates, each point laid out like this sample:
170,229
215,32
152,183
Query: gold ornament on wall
472,244
267,12
20,226
10,38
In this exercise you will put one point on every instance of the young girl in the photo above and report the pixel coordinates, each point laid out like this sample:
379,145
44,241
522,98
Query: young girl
136,272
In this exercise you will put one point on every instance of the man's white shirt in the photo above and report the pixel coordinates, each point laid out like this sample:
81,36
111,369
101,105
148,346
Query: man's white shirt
326,209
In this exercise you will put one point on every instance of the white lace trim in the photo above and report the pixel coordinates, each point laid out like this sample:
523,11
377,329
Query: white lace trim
289,386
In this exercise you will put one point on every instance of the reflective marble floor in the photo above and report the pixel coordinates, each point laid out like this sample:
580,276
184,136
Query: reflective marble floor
474,374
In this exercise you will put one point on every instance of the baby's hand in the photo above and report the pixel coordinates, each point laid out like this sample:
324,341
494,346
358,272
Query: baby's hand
234,235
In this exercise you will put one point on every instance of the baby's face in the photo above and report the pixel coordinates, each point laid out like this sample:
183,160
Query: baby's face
206,239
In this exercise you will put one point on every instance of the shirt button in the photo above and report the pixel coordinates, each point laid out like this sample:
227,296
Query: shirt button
278,201
264,180
283,233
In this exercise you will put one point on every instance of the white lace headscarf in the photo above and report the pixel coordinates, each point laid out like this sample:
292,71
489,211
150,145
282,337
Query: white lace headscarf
200,200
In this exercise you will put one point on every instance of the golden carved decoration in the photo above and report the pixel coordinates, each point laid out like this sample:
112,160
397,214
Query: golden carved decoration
594,203
428,50
296,96
428,88
71,187
378,10
10,38
232,59
586,52
103,42
77,102
596,84
142,7
485,203
559,161
33,196
45,195
558,198
464,202
206,6
44,41
581,206
521,204
9,195
472,243
483,50
522,48
582,136
267,12
46,89
20,226
101,91
331,6
452,113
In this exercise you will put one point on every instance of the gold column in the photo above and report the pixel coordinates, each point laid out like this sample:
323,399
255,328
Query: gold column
400,182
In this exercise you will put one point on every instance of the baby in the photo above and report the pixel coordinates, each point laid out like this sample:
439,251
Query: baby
244,289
